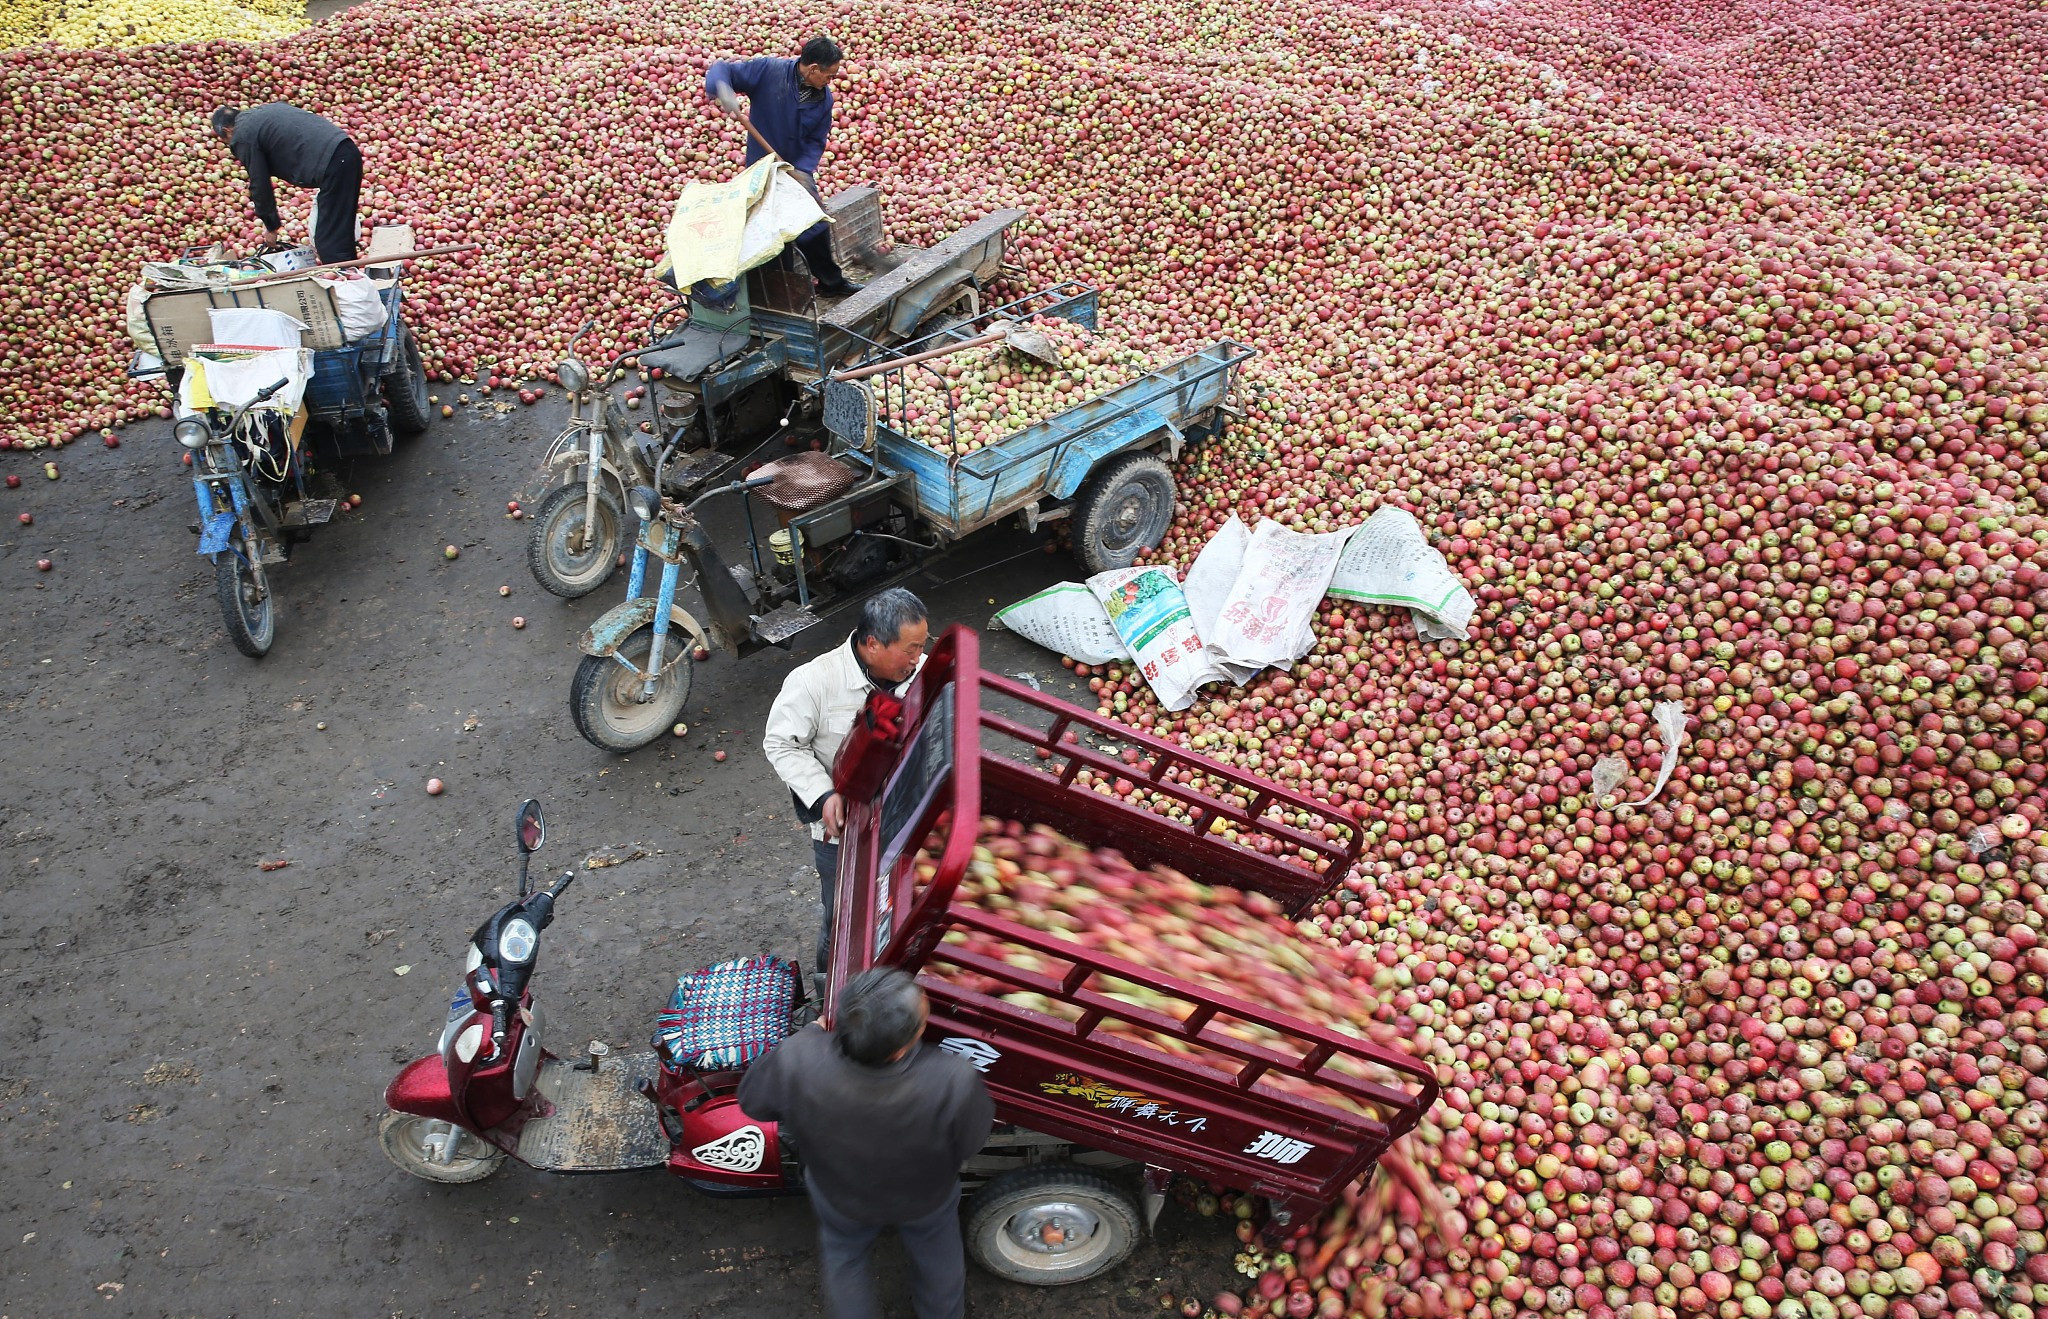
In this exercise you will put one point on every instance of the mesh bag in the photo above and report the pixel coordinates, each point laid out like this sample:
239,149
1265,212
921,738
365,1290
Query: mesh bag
805,480
723,1017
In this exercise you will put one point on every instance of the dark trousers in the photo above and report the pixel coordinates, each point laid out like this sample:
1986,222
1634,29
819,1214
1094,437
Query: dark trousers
938,1262
334,237
827,857
816,245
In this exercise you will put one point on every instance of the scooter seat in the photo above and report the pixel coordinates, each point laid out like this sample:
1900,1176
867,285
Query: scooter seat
724,1017
697,351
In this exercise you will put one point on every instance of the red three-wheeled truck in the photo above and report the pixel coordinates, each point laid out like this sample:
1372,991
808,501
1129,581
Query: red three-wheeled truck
1090,1125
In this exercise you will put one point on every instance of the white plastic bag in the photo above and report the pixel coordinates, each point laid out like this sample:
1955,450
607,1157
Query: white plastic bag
1068,619
1670,720
1151,615
230,379
358,303
255,327
1268,618
1390,562
139,332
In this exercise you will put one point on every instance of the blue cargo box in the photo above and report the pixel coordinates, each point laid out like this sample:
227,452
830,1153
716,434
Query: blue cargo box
344,378
1051,458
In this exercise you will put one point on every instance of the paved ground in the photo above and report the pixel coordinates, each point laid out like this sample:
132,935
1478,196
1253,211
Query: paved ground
195,1048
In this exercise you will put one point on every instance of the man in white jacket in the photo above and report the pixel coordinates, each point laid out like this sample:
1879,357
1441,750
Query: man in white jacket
815,711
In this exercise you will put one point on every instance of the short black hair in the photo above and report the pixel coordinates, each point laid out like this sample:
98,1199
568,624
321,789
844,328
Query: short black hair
877,1015
224,120
822,51
884,616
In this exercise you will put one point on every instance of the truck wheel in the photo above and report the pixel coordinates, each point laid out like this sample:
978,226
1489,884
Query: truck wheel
416,1144
1051,1225
251,622
405,389
551,550
1125,508
604,699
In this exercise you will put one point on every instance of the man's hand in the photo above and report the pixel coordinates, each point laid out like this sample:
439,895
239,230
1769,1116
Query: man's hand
274,235
728,100
835,816
810,183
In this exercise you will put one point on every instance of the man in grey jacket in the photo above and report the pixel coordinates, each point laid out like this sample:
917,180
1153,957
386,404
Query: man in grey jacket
815,711
281,141
882,1125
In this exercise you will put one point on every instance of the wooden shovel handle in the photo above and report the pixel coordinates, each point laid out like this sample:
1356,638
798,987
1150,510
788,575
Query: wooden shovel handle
863,372
391,259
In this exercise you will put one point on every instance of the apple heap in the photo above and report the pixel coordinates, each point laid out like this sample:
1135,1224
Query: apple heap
119,23
1708,352
973,399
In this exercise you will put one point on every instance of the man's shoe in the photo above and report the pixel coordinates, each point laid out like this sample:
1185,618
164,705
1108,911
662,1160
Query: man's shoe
843,289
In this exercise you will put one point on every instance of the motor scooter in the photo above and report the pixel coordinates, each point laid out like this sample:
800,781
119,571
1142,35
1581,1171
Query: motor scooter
492,1090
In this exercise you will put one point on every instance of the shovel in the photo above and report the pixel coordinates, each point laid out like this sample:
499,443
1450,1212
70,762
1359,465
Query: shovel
1018,338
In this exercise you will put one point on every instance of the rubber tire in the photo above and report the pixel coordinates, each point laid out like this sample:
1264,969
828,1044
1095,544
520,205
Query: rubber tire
405,389
1139,484
559,516
253,637
597,677
994,1204
395,1134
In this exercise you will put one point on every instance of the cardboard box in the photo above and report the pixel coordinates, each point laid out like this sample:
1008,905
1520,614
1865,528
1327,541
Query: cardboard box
179,320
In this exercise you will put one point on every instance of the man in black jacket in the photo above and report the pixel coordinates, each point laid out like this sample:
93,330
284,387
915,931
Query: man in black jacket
284,142
882,1124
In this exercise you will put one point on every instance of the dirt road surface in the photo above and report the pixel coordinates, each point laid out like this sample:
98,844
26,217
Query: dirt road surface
195,1047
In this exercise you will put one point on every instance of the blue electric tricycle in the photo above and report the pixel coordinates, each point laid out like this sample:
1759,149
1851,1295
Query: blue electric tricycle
871,505
253,464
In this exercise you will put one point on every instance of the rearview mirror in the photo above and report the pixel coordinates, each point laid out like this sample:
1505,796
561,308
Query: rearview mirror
531,826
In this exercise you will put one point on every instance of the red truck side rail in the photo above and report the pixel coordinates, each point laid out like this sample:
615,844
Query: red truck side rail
1279,1118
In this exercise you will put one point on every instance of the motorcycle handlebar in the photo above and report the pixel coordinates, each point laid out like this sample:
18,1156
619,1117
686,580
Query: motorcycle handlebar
737,486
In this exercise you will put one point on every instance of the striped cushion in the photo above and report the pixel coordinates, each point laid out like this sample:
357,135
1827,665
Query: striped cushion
723,1017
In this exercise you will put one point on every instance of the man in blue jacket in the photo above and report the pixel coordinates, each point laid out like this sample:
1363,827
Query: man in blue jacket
791,104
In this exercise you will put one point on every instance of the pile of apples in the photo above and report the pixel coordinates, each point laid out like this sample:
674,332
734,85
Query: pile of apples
114,24
973,399
1707,343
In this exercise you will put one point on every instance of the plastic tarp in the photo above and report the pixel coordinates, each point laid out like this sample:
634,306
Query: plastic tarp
721,230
